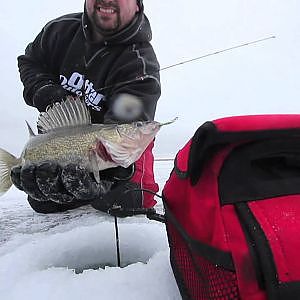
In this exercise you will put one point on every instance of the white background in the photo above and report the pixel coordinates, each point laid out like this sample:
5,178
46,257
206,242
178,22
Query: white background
36,251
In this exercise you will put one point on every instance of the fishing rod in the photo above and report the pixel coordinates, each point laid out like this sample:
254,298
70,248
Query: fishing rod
150,213
143,77
217,52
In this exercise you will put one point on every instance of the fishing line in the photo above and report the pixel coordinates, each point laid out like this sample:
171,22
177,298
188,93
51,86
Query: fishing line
117,242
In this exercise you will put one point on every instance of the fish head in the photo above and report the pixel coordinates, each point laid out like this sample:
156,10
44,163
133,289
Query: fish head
127,142
148,129
143,130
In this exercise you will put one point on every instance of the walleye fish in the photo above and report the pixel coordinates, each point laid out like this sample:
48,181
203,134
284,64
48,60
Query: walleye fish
68,136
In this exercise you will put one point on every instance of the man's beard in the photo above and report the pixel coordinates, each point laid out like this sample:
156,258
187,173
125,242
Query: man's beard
103,30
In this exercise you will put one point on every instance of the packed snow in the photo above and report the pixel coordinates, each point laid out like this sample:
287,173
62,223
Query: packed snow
72,255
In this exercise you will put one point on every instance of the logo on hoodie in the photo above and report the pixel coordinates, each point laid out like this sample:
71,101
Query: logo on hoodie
81,86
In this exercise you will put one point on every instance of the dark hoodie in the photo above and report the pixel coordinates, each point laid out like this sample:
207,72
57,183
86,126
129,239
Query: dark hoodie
64,53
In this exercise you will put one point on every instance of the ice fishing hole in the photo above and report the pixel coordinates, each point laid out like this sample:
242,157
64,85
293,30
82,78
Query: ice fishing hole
94,247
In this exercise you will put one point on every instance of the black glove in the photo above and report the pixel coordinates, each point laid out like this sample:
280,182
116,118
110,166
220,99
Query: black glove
118,173
48,181
48,94
123,195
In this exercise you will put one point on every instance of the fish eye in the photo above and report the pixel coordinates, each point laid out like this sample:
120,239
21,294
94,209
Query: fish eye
139,124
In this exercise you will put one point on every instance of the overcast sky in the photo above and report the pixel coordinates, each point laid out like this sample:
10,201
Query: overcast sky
261,78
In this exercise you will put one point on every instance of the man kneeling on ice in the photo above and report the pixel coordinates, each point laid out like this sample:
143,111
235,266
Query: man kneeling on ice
104,55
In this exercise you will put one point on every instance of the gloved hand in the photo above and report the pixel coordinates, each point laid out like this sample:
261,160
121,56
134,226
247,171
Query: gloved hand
118,173
48,94
120,200
48,181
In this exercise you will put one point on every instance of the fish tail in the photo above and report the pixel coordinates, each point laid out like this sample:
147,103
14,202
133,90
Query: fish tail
7,161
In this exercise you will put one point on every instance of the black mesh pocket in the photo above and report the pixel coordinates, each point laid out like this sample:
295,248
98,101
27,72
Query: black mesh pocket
196,276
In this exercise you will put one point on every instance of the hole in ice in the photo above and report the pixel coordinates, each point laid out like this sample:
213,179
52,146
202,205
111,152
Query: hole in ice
94,247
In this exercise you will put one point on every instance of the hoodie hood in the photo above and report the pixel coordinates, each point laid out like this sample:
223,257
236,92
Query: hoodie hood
139,30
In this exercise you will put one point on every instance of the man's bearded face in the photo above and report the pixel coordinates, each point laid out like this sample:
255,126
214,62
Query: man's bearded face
110,16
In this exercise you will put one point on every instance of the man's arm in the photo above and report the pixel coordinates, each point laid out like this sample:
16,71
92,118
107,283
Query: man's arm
41,84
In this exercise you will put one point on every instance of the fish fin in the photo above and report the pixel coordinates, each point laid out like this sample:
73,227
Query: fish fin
31,133
71,112
7,161
122,156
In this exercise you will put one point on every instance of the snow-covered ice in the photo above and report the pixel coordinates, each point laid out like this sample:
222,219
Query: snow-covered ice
72,255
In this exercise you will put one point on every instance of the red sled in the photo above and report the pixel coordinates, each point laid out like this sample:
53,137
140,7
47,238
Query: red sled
233,210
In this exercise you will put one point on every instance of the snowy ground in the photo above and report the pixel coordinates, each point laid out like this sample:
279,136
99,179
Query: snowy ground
72,255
